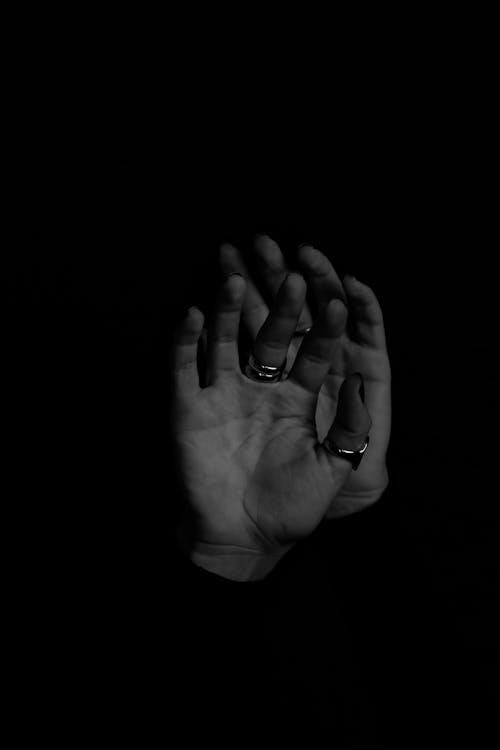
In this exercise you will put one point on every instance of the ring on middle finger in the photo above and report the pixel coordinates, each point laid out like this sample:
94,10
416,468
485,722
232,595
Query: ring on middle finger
302,331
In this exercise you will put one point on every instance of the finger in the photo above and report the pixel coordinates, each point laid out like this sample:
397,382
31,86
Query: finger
255,309
204,341
273,340
273,270
203,358
352,422
366,313
321,276
222,344
183,355
314,357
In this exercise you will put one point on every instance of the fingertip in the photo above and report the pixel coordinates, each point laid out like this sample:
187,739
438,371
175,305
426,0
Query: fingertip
226,247
228,254
233,290
335,308
354,286
305,249
267,254
261,244
350,280
194,319
261,238
296,282
308,257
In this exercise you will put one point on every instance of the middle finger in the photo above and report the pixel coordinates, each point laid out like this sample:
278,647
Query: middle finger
274,269
273,339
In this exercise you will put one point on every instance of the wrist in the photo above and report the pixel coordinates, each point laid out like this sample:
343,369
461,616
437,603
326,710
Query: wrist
229,561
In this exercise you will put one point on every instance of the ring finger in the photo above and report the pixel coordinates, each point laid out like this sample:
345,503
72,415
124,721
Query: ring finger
274,336
274,269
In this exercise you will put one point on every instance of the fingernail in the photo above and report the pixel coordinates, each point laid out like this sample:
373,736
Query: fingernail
305,244
350,276
361,387
235,273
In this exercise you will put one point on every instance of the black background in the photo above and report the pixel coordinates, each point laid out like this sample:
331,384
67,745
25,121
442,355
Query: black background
117,235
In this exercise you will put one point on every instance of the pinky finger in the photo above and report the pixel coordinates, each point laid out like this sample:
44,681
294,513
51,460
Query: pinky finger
183,356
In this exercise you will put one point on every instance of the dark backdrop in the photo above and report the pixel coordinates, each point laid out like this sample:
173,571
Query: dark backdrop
133,157
111,251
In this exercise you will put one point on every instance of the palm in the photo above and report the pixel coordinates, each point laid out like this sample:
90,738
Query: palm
256,446
363,351
256,476
371,477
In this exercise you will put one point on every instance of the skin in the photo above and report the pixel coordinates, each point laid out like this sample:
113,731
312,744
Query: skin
256,474
362,348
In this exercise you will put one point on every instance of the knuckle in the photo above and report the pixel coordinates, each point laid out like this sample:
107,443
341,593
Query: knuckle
224,337
274,344
315,359
185,367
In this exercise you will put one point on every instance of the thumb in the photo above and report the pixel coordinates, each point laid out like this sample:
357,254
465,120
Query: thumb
352,423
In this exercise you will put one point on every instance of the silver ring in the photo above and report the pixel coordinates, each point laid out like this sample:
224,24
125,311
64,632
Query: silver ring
263,373
302,331
354,457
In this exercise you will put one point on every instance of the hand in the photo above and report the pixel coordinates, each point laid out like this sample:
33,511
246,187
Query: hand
257,478
361,348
